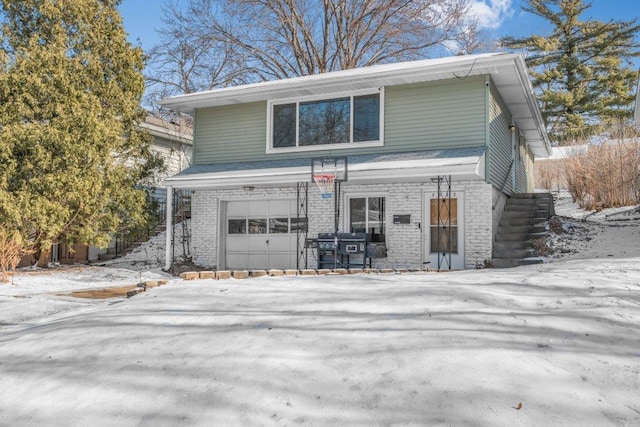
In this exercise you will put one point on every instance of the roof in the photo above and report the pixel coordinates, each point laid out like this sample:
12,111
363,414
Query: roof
565,152
161,128
464,163
507,70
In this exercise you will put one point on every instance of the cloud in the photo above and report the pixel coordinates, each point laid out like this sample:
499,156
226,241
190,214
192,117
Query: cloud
491,13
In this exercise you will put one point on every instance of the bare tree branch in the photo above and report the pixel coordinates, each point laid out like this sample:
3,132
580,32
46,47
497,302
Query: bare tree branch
219,43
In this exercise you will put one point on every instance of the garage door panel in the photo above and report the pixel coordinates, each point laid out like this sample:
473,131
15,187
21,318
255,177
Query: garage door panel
279,243
280,207
237,209
259,260
259,234
259,208
257,243
237,243
236,260
280,261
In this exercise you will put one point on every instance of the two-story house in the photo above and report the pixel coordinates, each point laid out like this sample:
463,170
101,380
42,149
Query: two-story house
427,151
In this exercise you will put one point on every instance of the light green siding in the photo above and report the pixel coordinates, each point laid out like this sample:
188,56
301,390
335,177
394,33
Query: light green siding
231,133
499,152
445,114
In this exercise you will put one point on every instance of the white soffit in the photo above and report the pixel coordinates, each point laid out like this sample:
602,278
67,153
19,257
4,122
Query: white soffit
507,70
467,168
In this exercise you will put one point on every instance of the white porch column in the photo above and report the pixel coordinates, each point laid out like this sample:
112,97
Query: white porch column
169,231
513,157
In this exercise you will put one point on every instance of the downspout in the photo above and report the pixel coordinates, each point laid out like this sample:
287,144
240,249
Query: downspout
168,244
512,127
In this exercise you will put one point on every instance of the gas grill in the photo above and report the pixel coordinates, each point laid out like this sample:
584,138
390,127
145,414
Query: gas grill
347,250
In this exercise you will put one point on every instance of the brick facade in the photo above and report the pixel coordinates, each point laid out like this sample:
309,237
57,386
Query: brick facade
404,241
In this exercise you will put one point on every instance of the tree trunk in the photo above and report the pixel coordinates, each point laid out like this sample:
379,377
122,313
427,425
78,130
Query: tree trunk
43,258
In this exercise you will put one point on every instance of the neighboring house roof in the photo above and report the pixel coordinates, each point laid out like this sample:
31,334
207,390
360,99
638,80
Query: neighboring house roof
558,153
364,168
158,127
508,72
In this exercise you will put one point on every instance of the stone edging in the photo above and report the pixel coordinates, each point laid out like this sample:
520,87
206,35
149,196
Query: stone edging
244,274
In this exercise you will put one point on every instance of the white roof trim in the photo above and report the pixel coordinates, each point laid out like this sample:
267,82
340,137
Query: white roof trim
502,67
468,168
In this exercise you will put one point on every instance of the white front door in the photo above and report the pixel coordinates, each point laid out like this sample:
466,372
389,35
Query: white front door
260,234
444,238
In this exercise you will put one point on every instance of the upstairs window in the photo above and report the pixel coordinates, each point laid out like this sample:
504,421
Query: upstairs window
317,123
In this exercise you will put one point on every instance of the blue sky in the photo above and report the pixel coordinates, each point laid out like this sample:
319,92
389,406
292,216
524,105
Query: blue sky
499,17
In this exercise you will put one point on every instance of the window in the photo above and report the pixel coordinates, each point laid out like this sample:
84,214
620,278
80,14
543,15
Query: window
237,226
444,233
298,224
284,125
366,118
278,225
367,215
316,123
258,226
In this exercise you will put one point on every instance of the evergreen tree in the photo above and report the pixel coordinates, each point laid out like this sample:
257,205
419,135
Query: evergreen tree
71,154
582,71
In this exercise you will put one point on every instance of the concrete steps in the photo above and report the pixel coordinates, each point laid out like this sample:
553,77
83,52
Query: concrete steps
523,221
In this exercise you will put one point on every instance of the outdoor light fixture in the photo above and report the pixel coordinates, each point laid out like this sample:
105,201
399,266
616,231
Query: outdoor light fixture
248,187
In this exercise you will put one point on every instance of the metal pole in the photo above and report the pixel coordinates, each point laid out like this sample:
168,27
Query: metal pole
168,243
336,211
513,157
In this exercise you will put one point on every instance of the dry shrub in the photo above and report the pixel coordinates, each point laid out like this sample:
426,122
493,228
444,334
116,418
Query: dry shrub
606,176
11,251
541,247
555,225
549,174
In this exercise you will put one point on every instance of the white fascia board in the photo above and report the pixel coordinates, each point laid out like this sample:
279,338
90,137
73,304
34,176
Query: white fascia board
371,77
540,144
401,170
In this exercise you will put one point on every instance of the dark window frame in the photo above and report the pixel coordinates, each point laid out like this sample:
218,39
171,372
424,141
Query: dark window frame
377,233
289,129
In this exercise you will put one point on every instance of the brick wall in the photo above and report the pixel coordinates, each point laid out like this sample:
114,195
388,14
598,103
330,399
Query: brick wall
404,241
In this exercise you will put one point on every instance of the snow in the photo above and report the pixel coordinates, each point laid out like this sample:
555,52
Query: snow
611,233
151,254
457,348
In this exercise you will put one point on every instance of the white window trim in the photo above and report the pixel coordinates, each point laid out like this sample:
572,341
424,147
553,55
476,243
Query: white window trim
359,195
324,147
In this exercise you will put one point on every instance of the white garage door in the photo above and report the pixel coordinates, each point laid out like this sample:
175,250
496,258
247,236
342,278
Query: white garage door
261,234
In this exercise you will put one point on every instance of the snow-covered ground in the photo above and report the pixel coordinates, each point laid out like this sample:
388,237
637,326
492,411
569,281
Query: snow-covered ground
612,233
550,344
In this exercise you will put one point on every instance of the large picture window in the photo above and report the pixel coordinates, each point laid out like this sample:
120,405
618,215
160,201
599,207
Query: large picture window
321,122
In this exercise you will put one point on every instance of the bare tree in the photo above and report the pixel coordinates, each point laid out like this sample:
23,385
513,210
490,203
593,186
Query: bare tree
189,57
217,43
